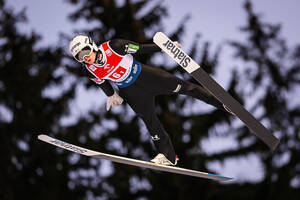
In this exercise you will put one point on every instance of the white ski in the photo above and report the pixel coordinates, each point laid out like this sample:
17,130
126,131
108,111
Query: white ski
187,63
130,161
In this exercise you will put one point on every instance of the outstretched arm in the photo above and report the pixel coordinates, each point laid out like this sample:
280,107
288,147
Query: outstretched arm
113,98
123,47
104,85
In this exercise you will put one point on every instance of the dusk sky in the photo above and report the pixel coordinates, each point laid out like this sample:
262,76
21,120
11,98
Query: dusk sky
216,20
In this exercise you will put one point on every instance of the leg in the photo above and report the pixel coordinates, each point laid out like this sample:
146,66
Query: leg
200,93
162,82
143,105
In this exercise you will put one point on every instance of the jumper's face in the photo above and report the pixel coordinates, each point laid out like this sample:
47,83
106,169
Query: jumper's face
90,59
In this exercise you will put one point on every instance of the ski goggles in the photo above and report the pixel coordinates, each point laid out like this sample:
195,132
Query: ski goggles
86,51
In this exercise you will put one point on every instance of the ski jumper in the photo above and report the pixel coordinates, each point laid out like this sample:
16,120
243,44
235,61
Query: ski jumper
139,84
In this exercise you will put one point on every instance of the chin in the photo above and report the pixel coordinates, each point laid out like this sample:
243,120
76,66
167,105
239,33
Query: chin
90,62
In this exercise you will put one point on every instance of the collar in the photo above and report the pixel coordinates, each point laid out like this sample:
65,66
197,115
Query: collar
100,61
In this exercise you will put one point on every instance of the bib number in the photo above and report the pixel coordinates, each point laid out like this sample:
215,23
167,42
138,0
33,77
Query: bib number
120,71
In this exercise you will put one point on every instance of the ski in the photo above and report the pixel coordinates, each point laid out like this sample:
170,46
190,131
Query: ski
130,161
187,63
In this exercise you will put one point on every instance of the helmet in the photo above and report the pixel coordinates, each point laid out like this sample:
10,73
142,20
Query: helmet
81,46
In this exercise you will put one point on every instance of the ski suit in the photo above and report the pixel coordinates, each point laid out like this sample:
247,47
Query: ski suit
139,84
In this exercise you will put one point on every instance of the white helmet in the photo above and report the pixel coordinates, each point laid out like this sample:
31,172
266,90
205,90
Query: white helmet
81,46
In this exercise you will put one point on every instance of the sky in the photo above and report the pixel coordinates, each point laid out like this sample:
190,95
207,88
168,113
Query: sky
216,20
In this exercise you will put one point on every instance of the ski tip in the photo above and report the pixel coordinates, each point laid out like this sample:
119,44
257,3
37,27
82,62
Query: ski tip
157,35
224,178
42,136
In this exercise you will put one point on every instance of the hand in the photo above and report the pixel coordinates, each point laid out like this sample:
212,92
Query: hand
228,110
113,100
177,44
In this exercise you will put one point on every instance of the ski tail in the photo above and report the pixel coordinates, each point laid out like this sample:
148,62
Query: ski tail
187,63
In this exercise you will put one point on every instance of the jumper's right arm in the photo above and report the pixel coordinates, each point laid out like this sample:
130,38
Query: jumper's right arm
113,99
104,85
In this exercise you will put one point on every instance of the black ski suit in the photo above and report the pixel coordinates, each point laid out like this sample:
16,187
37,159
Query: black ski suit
150,83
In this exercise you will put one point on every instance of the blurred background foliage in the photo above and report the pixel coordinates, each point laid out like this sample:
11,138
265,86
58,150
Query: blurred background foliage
38,87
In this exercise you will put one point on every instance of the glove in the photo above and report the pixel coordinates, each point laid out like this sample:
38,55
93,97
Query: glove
228,110
177,44
113,100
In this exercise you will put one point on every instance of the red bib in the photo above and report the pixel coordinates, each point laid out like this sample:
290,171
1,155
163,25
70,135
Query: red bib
116,68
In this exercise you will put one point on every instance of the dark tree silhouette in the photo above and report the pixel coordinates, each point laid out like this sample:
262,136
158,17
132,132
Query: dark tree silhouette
26,74
38,87
269,78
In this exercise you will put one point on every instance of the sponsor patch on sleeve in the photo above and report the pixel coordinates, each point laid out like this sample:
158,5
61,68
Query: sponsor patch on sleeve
132,48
